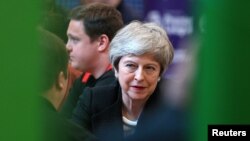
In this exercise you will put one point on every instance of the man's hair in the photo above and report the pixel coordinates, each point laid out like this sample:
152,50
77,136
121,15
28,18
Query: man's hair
98,19
54,58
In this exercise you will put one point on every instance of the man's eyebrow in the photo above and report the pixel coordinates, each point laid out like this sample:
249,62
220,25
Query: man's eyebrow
72,36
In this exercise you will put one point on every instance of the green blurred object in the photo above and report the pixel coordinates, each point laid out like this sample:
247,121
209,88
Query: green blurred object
19,118
222,91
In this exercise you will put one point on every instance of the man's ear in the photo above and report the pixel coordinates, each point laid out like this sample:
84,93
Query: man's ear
103,43
61,81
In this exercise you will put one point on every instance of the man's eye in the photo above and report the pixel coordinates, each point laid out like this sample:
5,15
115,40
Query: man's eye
74,40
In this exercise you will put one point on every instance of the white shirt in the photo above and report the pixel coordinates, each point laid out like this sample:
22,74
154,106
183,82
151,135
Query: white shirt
128,126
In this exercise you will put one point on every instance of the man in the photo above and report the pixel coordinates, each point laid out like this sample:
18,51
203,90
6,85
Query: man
54,62
90,32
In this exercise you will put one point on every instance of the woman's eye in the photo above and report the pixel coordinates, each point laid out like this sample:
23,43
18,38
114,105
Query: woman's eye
150,68
130,65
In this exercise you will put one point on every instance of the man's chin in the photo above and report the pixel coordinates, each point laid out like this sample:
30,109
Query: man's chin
75,66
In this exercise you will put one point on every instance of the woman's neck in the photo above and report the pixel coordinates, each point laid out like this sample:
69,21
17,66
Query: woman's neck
131,109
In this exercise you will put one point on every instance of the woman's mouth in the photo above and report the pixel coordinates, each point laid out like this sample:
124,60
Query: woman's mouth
138,87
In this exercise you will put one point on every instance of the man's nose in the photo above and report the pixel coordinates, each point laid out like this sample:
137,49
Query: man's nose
68,47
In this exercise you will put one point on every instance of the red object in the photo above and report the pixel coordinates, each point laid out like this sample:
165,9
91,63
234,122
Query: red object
86,76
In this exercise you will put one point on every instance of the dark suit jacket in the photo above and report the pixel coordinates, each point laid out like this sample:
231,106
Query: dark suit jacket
99,110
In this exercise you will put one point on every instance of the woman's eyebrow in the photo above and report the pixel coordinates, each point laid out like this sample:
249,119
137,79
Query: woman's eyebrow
153,64
128,61
149,64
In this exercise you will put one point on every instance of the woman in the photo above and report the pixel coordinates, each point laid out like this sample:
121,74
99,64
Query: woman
139,53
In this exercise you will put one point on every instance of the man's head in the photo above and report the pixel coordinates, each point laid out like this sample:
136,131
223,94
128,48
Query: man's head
54,61
90,31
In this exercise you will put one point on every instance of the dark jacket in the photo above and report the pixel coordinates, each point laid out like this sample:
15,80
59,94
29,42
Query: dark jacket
56,128
78,87
100,111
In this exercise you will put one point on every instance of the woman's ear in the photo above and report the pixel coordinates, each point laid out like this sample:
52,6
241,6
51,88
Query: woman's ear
116,73
103,43
159,79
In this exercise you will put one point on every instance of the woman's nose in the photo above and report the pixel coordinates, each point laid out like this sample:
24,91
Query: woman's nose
139,74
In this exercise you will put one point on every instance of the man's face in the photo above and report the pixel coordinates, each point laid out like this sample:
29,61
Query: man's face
82,51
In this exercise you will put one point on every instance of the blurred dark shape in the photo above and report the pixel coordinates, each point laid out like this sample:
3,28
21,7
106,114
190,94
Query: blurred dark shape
128,13
54,83
54,18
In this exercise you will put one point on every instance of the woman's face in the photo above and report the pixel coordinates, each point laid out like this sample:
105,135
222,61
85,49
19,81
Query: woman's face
138,76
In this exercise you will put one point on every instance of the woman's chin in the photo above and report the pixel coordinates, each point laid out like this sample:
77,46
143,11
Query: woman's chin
138,96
